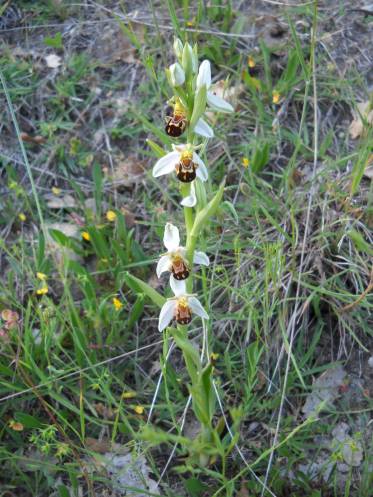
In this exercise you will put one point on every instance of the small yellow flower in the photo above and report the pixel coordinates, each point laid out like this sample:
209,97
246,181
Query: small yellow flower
276,97
117,304
86,236
111,216
15,425
22,217
41,276
42,291
138,409
128,395
56,191
214,356
245,162
251,62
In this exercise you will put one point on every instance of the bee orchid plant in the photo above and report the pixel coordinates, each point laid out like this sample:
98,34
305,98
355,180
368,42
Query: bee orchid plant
187,123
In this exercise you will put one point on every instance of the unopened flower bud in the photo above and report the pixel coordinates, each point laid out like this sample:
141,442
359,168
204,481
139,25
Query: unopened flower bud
177,75
178,48
187,59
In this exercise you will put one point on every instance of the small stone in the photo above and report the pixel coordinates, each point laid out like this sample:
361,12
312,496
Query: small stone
370,361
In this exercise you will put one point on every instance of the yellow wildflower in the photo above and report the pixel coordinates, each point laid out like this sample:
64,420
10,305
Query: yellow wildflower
42,291
86,236
245,162
111,216
117,304
22,217
41,276
276,97
138,409
251,62
56,191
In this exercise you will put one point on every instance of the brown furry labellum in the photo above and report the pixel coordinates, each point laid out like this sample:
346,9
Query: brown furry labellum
177,121
175,125
186,169
183,313
179,269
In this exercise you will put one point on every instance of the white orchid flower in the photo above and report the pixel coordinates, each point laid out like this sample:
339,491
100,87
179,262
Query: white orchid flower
177,74
204,78
184,160
191,199
180,307
174,260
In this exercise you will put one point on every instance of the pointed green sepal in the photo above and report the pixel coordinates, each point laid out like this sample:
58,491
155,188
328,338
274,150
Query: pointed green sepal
208,211
199,106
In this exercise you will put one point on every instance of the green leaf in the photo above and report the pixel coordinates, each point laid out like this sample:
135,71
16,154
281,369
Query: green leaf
260,158
60,238
136,311
140,286
54,41
195,487
63,491
159,152
360,165
155,130
27,420
359,242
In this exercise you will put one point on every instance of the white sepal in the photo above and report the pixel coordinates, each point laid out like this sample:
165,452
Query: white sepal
201,258
197,308
166,315
177,286
203,129
218,104
201,171
166,164
163,265
171,237
204,75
